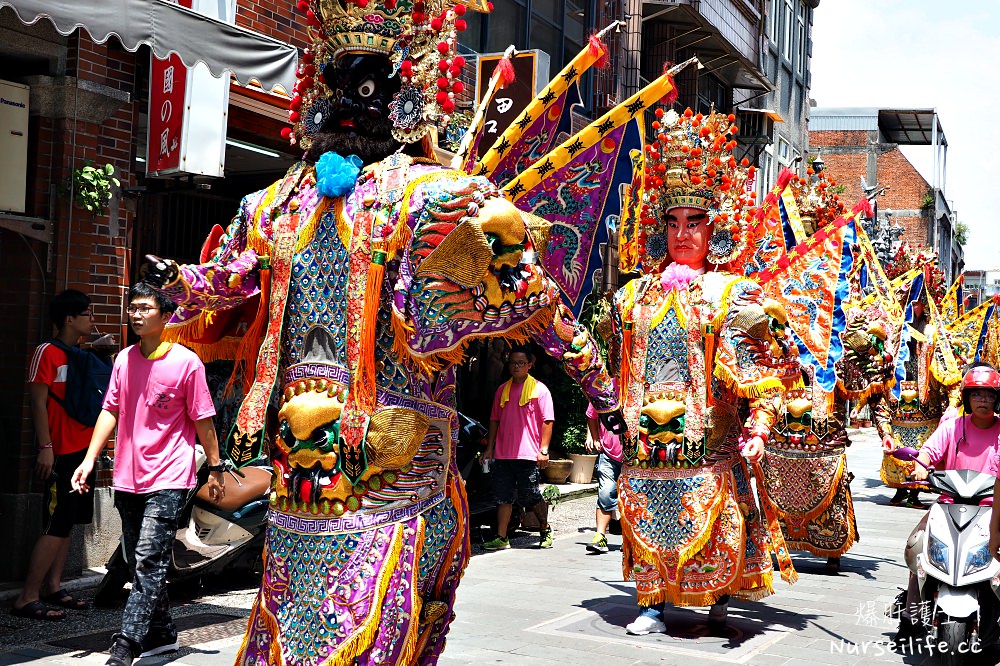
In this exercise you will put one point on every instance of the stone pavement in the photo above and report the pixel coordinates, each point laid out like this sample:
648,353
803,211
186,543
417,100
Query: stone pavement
530,607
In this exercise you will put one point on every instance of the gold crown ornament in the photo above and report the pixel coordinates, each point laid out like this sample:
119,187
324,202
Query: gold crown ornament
690,163
420,38
817,204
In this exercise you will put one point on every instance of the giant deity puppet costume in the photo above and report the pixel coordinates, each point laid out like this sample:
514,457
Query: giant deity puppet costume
348,291
805,462
696,344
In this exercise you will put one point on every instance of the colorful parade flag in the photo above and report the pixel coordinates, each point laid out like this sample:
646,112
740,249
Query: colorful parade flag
767,239
969,333
543,121
628,230
576,187
911,285
811,281
953,303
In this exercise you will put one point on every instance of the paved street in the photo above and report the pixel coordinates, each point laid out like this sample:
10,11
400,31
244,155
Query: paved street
565,606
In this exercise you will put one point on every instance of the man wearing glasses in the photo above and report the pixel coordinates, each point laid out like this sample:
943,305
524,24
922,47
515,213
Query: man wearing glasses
62,445
159,400
520,431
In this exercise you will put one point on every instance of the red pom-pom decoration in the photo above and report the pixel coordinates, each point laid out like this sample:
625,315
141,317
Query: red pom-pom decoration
286,133
460,10
489,7
443,48
443,65
460,25
442,83
457,87
294,116
302,5
455,71
418,17
458,61
442,97
390,4
448,106
362,3
406,67
296,103
436,24
308,57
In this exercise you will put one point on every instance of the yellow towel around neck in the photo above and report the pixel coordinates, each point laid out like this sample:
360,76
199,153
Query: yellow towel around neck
527,391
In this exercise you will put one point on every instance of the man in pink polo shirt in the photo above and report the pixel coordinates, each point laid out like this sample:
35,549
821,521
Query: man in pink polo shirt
520,431
159,400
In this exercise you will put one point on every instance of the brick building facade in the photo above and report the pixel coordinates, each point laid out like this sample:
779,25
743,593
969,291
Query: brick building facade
88,103
858,144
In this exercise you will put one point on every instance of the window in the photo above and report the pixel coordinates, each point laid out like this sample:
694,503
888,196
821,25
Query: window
800,37
786,32
772,21
766,178
783,151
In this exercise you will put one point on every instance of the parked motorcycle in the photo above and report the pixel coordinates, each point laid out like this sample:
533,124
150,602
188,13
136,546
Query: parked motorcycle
216,536
958,579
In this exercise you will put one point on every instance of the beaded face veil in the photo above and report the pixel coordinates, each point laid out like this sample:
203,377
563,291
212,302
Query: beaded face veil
420,39
690,163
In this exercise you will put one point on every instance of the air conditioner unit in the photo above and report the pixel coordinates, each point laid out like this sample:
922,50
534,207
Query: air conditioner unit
13,146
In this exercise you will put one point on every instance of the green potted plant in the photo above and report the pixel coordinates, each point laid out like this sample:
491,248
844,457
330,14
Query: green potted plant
584,462
93,187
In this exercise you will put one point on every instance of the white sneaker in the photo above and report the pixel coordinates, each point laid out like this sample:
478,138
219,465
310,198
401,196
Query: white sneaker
643,625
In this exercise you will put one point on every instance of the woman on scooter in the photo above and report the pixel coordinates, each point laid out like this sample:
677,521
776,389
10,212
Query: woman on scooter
970,441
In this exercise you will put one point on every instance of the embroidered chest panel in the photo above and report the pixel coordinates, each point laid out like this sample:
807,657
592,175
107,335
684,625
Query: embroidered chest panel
317,297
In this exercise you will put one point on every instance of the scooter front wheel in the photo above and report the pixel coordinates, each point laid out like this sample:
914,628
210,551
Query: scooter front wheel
954,635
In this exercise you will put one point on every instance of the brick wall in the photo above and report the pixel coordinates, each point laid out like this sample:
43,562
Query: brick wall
846,158
275,18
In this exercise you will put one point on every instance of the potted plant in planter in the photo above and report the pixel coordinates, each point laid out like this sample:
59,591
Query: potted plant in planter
575,444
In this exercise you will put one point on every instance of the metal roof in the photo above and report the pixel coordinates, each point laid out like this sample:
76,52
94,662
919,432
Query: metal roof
911,127
907,127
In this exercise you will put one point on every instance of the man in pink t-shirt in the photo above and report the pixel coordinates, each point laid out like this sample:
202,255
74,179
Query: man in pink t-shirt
520,431
609,467
159,400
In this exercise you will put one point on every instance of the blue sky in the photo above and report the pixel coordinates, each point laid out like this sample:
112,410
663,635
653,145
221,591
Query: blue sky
924,54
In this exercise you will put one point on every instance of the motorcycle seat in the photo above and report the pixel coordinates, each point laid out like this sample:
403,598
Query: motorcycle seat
255,485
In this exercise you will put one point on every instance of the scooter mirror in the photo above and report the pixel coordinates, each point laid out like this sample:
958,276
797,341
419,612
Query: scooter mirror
905,453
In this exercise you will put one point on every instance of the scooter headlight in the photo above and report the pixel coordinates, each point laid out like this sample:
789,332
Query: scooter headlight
979,558
937,553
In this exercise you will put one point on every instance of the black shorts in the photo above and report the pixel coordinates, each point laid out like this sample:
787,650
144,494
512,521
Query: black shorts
516,479
62,508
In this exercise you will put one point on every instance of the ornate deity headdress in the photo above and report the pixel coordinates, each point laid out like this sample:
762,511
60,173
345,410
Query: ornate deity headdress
817,203
690,163
420,37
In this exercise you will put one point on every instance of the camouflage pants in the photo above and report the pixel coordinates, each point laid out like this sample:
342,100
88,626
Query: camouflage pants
149,522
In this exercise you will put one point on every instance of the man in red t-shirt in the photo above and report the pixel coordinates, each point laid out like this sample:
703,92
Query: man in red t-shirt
62,444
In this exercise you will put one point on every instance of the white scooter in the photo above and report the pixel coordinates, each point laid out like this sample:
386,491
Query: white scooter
949,554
